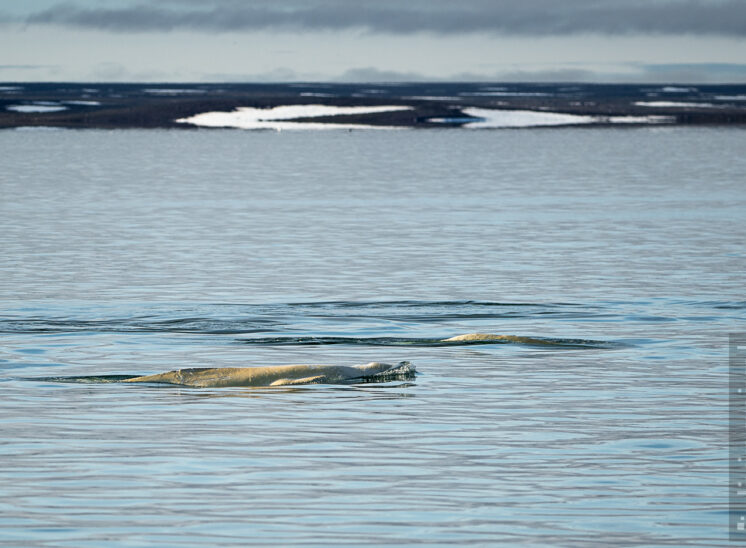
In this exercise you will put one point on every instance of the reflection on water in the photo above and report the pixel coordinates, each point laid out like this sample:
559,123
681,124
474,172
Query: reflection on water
617,254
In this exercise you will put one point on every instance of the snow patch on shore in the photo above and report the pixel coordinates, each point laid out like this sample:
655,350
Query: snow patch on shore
730,97
677,89
492,118
433,98
504,94
638,119
36,108
316,94
38,128
280,117
673,104
174,91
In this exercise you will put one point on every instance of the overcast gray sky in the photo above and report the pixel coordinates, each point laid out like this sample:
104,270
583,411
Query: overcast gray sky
694,41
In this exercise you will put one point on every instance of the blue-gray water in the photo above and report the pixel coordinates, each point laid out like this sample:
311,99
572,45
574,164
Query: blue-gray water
134,252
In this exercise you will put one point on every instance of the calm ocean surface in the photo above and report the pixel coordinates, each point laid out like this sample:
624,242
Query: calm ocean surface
137,252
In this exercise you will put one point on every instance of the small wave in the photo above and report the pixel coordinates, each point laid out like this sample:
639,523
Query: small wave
224,319
207,326
429,342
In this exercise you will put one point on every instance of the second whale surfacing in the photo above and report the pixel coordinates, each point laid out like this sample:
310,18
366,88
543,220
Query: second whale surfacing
490,337
281,375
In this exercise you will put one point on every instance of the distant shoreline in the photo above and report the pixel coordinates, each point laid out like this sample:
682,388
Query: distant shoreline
414,105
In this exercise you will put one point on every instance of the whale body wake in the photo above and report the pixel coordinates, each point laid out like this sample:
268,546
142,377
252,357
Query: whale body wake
289,375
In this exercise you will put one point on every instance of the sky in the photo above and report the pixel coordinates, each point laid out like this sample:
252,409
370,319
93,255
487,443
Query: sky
645,41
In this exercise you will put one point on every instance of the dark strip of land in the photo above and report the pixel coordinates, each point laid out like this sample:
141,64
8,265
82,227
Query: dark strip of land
76,105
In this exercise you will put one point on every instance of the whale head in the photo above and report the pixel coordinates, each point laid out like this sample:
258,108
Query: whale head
378,370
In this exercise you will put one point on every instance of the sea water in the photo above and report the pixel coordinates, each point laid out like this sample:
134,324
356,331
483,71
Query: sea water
621,251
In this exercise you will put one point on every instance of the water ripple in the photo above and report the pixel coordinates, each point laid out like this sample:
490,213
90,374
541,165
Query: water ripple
246,318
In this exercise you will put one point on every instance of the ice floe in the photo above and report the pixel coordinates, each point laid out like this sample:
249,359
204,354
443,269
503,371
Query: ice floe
281,117
83,103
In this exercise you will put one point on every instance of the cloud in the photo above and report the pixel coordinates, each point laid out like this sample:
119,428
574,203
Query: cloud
371,74
714,73
634,73
509,17
110,71
26,67
556,75
280,74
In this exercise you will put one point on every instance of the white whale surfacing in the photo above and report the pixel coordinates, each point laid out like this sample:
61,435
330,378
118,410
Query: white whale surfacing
281,375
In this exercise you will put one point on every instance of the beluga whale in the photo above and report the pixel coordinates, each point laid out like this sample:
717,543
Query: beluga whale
281,375
491,337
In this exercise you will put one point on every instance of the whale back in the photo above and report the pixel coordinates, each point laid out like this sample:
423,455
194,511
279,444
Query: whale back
487,337
280,375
